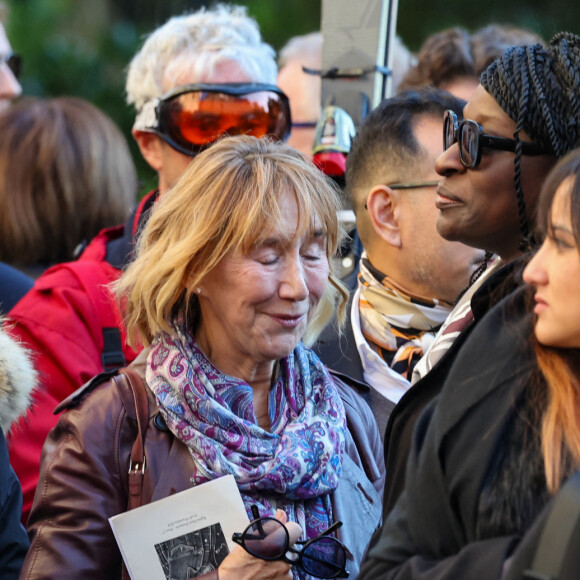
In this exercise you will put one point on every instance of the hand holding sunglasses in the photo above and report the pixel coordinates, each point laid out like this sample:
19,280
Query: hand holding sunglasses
268,539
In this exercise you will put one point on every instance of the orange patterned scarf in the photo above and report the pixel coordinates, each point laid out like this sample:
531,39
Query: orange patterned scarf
398,326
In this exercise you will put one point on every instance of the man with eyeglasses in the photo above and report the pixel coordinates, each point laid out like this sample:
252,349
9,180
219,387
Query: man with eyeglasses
197,77
10,65
409,275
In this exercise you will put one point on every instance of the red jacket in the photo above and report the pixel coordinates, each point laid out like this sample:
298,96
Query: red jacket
61,320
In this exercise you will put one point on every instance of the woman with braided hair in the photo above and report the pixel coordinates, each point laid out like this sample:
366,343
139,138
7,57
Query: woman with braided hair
479,474
529,98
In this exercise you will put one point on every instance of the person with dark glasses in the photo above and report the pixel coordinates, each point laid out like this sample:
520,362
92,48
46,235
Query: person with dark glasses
471,141
10,67
197,77
483,455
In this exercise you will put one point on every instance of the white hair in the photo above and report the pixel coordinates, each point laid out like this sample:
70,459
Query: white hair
197,43
306,48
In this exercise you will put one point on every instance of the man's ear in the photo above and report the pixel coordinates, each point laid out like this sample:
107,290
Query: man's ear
383,207
150,147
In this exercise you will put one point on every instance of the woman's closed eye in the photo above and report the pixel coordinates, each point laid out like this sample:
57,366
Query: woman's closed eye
562,238
315,249
562,244
312,255
269,259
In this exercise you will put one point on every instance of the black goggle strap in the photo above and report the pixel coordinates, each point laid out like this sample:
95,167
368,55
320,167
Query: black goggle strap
233,89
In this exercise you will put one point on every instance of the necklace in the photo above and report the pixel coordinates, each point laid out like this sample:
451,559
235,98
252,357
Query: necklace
263,421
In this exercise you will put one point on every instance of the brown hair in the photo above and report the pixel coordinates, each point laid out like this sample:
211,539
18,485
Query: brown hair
454,53
65,173
559,367
227,199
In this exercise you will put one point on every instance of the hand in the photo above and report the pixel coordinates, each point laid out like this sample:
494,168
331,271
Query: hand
239,565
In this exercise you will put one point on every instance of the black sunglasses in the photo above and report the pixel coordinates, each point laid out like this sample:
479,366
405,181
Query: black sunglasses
268,539
471,139
14,63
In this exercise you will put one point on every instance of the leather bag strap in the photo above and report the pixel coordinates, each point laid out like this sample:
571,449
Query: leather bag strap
129,380
138,462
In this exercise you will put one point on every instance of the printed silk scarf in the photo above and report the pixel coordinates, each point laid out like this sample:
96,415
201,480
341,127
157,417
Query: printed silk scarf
293,467
398,326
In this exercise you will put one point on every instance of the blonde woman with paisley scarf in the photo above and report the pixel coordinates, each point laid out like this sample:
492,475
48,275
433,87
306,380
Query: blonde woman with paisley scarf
233,278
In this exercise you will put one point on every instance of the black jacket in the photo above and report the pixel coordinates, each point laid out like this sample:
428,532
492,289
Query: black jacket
402,420
13,538
432,532
13,286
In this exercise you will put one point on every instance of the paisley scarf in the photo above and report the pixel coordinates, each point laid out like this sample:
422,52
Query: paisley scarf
398,326
295,466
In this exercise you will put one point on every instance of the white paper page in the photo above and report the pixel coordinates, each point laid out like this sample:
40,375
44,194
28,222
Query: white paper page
183,535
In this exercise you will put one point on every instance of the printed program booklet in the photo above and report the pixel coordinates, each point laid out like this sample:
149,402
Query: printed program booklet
184,535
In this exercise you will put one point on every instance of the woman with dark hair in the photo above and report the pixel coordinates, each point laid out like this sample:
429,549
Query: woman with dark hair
519,121
476,478
554,273
453,59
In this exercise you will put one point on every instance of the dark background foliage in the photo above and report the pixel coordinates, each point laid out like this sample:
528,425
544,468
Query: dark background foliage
82,47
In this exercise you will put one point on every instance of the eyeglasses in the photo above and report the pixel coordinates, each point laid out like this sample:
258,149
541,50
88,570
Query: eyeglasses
192,117
415,185
471,140
14,63
268,539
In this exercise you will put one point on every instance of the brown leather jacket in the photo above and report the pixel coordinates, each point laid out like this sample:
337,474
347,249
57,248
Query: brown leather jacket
84,480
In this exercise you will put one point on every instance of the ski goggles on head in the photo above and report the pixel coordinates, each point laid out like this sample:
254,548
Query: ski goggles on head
472,140
192,117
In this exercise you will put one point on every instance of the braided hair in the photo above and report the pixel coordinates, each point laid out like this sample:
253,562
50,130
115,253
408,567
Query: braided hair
539,88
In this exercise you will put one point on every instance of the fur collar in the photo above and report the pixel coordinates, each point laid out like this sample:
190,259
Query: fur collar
17,380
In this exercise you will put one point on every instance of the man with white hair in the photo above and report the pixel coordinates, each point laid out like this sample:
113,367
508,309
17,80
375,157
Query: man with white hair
196,77
10,64
303,89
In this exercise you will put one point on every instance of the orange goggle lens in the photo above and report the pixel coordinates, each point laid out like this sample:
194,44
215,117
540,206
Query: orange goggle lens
192,120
